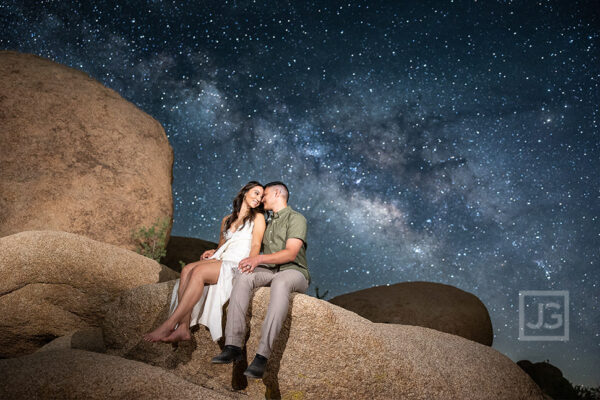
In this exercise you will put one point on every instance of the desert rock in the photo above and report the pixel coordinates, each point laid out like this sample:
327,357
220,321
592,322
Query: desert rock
77,157
78,374
53,283
324,352
89,339
428,304
550,379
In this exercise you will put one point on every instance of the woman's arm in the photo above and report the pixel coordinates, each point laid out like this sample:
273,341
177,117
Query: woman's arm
222,234
209,253
257,234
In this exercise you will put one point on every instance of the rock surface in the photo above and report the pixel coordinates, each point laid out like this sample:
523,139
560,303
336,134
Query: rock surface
53,283
428,304
185,249
78,374
324,352
77,157
89,339
550,379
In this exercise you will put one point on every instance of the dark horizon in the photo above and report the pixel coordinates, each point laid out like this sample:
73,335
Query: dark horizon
447,141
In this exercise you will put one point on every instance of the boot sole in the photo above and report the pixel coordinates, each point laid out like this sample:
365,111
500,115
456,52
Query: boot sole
220,361
251,375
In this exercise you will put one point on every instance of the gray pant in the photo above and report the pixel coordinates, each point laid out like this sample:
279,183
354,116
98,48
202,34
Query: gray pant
282,284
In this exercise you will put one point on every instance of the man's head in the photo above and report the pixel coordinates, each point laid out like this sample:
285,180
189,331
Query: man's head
276,196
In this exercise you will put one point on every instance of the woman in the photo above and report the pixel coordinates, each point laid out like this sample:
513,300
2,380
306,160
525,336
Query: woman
241,236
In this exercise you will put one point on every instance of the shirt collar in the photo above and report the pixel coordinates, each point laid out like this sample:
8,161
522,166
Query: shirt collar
282,212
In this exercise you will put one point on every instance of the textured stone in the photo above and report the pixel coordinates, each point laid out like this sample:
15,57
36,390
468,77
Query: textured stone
428,304
78,374
550,379
77,157
53,283
89,339
324,352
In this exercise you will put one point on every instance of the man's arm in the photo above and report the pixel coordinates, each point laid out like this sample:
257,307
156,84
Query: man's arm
292,247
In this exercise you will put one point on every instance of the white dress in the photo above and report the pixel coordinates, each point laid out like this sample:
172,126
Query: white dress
209,309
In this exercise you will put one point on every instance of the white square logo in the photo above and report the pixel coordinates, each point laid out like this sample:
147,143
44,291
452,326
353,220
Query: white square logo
544,315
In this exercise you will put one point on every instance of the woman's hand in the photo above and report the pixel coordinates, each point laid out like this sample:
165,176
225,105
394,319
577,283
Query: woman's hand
208,254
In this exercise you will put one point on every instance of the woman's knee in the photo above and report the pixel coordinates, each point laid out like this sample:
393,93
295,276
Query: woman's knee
207,273
188,268
197,274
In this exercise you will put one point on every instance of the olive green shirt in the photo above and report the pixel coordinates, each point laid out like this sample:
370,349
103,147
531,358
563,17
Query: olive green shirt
283,225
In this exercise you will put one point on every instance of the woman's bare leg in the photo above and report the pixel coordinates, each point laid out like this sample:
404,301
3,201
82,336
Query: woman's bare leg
185,276
186,272
208,273
182,332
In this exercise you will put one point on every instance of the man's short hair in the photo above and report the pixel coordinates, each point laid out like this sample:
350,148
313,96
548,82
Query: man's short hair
283,189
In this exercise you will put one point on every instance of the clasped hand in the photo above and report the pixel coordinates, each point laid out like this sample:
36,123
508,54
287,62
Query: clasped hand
248,264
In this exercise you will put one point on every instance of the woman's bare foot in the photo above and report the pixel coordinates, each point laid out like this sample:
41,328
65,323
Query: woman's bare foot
158,334
181,333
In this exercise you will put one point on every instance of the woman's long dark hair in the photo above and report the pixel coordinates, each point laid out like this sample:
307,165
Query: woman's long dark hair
237,205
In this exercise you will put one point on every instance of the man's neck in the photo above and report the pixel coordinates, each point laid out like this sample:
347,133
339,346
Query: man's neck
279,208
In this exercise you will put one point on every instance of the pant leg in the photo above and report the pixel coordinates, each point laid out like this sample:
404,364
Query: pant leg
283,283
243,284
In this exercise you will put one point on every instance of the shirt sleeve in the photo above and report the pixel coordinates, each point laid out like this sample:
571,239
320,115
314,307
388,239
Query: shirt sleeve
297,227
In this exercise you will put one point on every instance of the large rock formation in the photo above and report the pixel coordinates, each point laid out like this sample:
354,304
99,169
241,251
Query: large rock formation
52,283
75,156
550,379
78,374
324,352
428,304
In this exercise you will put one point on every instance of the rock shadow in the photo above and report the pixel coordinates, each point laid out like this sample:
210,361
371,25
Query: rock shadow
239,381
271,379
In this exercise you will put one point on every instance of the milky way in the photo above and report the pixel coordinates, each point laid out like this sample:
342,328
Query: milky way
453,142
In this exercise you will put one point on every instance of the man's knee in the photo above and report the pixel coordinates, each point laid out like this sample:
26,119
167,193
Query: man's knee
281,289
243,281
281,285
289,281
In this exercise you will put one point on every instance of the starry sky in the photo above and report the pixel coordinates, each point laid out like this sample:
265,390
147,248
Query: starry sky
445,141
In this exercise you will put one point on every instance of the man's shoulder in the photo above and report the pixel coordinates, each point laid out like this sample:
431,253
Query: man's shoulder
296,215
296,226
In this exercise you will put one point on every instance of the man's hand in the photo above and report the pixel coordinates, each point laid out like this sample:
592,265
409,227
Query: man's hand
248,264
207,254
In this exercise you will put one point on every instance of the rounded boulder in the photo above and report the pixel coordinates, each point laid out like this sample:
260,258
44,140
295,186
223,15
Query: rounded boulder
53,283
322,352
78,374
432,305
77,157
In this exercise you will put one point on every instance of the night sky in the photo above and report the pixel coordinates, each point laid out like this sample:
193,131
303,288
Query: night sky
451,141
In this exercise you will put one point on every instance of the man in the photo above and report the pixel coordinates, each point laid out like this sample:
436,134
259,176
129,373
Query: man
282,266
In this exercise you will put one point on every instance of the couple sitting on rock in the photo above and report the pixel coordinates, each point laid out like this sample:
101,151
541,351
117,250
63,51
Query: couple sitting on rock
235,268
